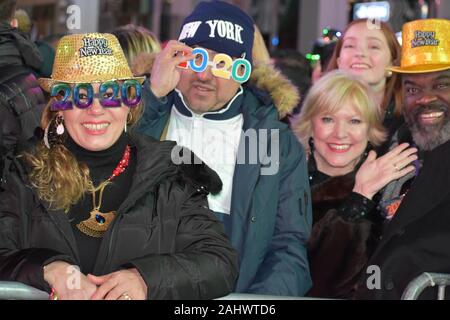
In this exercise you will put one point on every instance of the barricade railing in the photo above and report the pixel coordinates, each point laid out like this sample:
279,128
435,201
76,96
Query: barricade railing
20,291
425,280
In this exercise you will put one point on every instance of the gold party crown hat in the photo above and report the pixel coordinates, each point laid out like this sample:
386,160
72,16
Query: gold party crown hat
426,46
86,58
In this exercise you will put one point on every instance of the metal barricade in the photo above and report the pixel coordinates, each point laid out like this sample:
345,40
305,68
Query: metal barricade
20,291
425,280
242,296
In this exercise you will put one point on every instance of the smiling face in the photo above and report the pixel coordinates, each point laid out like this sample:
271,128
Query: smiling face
365,53
427,107
204,92
95,128
340,140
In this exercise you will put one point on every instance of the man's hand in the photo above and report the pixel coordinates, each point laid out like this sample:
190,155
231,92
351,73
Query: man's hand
165,74
121,285
68,282
374,174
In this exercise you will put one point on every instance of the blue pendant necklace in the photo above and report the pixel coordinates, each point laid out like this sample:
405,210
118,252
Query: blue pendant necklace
98,222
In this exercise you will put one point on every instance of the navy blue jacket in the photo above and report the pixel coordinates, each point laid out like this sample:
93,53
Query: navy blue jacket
270,219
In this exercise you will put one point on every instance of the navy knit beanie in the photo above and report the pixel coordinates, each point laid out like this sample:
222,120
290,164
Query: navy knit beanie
221,27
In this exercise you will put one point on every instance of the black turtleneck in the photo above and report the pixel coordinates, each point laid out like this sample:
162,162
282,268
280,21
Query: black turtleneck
101,165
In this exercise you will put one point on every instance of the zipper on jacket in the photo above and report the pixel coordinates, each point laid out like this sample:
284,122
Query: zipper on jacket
113,227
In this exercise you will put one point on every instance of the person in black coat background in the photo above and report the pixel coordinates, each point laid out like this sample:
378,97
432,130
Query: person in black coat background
21,99
416,240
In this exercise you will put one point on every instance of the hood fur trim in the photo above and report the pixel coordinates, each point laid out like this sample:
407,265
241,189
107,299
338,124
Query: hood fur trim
285,95
199,174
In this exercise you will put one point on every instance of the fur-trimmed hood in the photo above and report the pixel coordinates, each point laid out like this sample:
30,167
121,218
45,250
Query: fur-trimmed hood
266,77
155,164
285,95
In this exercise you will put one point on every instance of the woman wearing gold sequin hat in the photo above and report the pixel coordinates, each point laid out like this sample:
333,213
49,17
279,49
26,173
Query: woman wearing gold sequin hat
97,212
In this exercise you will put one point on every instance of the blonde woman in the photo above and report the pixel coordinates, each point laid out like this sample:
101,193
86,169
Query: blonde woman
107,206
139,45
339,125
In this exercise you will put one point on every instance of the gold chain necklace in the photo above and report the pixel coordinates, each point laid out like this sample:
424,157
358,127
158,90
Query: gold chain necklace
98,222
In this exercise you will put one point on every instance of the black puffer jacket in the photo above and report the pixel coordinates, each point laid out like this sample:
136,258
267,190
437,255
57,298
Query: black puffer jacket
21,99
163,228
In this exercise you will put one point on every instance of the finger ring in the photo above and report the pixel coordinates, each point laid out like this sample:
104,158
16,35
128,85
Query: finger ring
126,296
53,295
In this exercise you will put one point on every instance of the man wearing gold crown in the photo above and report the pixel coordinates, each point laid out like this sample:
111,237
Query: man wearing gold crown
417,238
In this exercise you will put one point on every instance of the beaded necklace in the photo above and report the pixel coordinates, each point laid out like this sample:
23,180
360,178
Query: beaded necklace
98,222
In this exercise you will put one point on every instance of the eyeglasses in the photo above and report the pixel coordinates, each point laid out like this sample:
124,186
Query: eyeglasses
221,64
108,94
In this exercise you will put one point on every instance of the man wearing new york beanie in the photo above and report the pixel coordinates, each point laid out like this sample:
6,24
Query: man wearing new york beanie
198,95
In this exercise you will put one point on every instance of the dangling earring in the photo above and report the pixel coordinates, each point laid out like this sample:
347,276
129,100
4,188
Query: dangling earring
54,132
46,143
388,74
60,125
129,119
368,149
311,145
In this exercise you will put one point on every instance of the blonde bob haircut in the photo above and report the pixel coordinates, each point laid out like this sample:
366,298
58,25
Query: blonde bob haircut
56,174
328,95
135,40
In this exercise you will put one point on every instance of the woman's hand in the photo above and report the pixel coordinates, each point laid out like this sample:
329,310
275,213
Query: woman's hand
121,285
165,73
374,174
68,282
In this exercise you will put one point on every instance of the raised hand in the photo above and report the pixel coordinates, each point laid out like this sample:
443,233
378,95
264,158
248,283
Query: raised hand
165,74
375,173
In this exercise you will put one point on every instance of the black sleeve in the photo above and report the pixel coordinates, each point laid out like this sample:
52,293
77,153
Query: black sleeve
203,264
18,262
355,207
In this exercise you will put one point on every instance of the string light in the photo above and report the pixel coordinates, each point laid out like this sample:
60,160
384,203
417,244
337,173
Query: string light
313,57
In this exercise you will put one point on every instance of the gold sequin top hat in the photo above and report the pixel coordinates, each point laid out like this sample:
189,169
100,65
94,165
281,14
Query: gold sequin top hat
426,46
87,58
